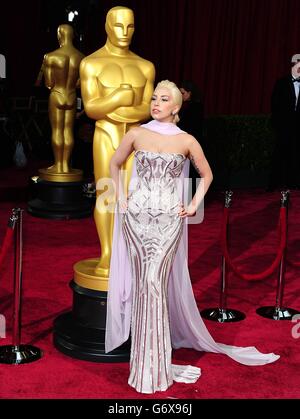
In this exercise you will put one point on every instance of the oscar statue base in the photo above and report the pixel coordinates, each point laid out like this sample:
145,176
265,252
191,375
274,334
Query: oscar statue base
74,175
81,333
19,354
58,200
85,275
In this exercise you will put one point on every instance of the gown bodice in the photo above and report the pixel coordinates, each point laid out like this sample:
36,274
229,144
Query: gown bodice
155,165
157,180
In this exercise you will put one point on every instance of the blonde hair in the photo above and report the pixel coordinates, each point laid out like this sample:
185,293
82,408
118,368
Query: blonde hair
175,92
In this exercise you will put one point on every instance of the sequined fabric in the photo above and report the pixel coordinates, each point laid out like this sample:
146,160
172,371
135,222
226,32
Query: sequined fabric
144,247
152,229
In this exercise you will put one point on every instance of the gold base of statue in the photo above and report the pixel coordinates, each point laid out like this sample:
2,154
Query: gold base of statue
74,175
85,275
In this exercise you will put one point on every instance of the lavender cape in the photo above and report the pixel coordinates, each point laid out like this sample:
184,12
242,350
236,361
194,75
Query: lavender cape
187,327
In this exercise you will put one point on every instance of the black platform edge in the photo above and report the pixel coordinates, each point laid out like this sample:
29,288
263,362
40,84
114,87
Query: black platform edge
40,209
84,343
81,333
59,200
87,291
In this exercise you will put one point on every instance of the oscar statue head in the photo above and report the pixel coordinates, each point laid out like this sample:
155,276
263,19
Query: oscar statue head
65,34
119,26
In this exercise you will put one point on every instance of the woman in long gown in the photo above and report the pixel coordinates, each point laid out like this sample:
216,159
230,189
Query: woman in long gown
150,293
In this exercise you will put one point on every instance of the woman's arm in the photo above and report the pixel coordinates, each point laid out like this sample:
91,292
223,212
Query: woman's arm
198,160
119,157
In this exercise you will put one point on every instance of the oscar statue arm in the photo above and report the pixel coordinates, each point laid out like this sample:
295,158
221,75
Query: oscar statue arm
48,73
40,76
96,105
141,112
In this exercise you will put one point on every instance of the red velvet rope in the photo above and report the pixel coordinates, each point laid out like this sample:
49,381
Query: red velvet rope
267,272
8,238
297,264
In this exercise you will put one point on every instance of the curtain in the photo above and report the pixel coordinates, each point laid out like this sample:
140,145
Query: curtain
233,49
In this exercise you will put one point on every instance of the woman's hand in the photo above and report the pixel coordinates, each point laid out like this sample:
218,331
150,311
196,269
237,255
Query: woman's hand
186,212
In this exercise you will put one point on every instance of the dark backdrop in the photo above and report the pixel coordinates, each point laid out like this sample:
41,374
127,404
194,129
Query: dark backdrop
234,49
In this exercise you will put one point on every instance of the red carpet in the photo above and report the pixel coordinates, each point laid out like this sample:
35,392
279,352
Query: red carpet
52,247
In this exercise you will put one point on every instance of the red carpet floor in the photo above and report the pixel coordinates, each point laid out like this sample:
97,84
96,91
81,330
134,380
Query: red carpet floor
52,247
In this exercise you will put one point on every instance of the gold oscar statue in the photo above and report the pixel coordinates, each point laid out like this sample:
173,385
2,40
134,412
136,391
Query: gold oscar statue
116,87
61,72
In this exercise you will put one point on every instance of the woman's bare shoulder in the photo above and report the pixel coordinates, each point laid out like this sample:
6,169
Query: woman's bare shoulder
187,139
135,131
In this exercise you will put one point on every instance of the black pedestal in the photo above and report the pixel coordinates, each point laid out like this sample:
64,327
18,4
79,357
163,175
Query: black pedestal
59,200
81,333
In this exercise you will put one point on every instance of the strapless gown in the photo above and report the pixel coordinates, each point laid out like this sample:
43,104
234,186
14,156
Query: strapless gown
152,229
150,292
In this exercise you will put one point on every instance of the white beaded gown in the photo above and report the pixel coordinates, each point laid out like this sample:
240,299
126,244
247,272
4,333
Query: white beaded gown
150,292
152,229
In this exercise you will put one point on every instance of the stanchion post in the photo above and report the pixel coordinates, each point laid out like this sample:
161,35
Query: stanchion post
278,312
223,291
281,272
17,278
223,314
16,353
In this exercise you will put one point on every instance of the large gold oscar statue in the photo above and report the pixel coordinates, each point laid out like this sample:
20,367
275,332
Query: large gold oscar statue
116,87
61,72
